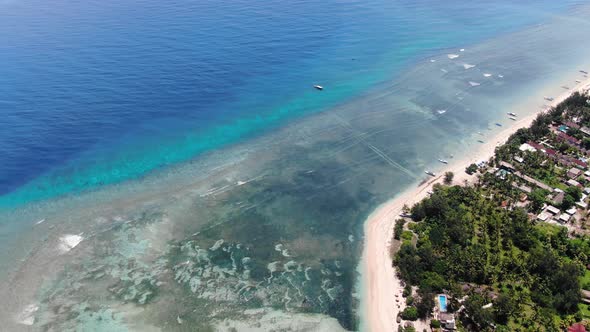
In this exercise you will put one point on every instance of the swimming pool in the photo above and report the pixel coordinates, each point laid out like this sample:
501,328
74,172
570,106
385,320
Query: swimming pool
442,300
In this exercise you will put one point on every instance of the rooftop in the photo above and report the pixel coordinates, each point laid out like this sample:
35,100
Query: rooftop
527,147
445,316
575,171
576,328
544,216
564,217
572,182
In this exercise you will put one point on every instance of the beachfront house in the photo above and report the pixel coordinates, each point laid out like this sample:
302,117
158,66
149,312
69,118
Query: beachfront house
446,319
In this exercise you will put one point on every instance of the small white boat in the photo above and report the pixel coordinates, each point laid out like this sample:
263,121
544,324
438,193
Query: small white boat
443,161
430,173
512,118
578,81
318,87
549,98
511,114
441,111
584,72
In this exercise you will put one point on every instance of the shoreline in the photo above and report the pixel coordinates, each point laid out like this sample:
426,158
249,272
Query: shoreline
379,280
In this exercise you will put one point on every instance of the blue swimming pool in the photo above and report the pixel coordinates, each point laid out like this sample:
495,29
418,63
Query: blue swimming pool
442,300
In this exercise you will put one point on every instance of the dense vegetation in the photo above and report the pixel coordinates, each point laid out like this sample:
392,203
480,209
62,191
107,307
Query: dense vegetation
531,272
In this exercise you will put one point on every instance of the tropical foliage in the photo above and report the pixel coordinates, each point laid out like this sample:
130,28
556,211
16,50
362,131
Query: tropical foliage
466,238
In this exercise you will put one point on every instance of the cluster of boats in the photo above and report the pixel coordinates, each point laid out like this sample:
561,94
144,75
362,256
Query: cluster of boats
512,116
443,161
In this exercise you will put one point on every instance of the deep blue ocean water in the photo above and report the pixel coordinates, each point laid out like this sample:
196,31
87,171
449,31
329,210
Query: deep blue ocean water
98,92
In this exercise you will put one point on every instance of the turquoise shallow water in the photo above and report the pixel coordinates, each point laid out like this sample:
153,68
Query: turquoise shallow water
103,92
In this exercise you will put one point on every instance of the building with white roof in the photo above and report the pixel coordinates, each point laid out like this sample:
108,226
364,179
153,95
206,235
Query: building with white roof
527,147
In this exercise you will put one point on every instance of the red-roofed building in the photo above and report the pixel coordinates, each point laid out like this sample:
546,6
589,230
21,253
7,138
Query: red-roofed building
580,163
542,148
572,124
563,159
568,138
551,152
536,145
576,328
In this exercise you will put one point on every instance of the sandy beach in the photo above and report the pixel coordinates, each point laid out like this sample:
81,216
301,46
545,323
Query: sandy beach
380,282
